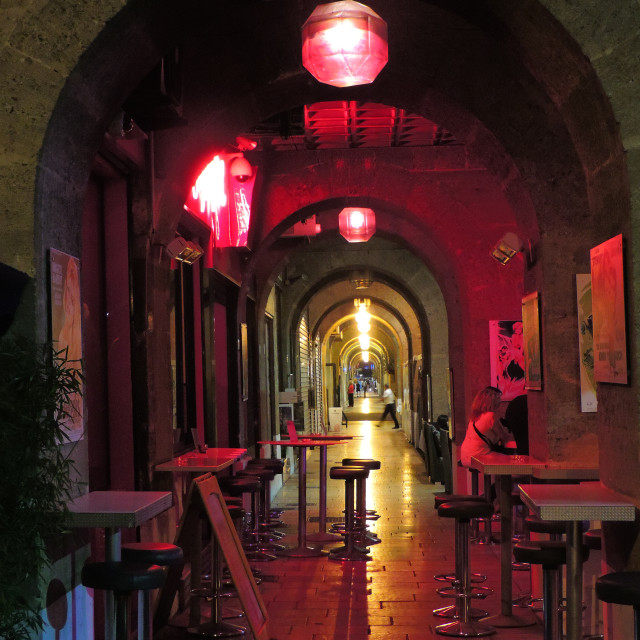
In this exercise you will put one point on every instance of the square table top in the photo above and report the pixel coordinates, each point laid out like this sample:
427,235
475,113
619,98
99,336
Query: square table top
571,502
500,464
214,460
117,509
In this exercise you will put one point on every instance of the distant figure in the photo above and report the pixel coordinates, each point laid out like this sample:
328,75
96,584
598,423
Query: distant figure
389,400
350,391
516,420
358,389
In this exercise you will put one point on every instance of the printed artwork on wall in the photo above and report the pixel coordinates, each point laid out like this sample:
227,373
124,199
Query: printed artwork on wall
506,350
588,400
609,333
66,325
531,333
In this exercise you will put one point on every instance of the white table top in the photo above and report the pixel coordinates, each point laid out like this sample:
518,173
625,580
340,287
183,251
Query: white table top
117,509
572,502
500,464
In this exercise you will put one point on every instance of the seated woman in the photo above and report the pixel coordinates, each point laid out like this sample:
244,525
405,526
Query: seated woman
485,432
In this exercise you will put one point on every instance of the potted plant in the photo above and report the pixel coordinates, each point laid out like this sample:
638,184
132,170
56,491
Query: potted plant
37,385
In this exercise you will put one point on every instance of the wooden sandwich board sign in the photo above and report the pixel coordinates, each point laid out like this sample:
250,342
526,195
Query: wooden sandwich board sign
206,498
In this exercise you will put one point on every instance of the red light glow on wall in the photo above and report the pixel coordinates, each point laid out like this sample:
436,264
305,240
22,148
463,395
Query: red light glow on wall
222,198
357,224
344,44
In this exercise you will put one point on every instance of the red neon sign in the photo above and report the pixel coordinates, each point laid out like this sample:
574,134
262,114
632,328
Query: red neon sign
223,200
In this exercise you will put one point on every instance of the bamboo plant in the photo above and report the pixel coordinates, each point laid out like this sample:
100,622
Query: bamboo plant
37,385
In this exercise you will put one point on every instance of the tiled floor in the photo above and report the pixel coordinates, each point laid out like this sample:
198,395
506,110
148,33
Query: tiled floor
390,597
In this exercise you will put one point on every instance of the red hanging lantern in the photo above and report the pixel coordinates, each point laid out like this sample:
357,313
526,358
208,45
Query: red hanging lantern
357,224
344,44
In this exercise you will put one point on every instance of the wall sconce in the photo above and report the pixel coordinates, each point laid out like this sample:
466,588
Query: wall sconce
184,250
344,44
357,224
508,246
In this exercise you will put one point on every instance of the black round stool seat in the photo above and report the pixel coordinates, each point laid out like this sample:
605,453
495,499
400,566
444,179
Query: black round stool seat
235,486
266,475
122,576
441,498
593,539
548,553
348,473
235,511
620,587
161,553
536,525
465,510
368,463
275,464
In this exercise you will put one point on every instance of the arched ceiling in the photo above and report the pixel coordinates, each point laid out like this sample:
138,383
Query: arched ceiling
462,65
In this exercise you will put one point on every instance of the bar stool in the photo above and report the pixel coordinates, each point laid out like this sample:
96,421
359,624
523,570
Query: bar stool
237,486
463,511
259,518
622,587
441,498
555,529
361,513
593,540
551,554
277,466
164,555
258,532
372,465
350,551
123,578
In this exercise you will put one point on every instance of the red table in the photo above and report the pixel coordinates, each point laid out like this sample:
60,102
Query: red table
214,461
303,550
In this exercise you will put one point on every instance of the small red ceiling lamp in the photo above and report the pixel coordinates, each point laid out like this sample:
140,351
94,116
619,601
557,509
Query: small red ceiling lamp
344,44
357,224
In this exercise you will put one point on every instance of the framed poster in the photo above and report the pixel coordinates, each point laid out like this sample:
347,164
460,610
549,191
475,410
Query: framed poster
607,293
531,339
506,352
588,400
244,357
66,327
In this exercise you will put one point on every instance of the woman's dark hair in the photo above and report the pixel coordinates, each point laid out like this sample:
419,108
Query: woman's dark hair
488,399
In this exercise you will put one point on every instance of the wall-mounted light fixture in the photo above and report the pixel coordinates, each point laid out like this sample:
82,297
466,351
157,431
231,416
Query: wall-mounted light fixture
184,250
344,44
357,224
507,247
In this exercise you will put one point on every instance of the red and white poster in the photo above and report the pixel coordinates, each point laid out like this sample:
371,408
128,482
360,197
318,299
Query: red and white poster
66,326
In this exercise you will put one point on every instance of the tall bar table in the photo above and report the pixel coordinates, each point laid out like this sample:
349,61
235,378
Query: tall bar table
214,461
113,511
504,467
574,503
322,535
303,550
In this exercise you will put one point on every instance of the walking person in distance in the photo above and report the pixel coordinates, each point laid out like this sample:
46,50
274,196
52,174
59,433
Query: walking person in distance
389,406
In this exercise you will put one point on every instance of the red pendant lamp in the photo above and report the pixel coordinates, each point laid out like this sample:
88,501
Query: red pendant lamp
344,44
357,224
